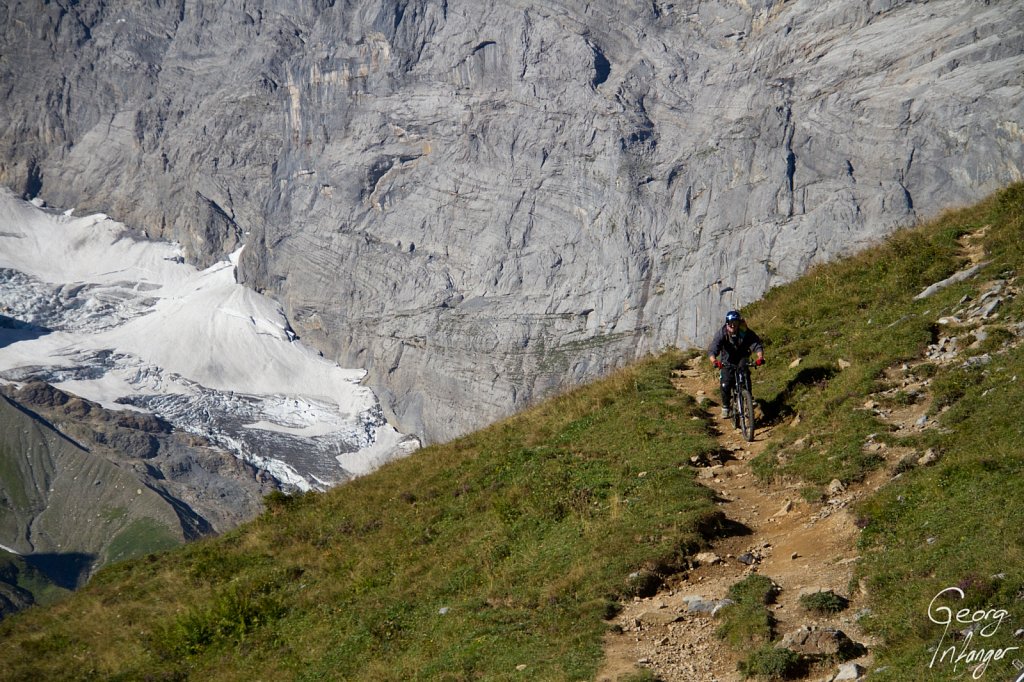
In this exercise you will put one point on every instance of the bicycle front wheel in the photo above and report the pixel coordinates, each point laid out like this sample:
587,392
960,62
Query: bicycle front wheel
746,413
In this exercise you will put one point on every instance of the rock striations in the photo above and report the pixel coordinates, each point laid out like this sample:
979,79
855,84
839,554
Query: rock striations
483,202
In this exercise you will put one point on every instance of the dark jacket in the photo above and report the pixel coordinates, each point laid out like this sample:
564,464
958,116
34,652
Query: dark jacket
731,348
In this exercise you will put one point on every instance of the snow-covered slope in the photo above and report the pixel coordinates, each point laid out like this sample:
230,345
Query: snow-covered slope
98,312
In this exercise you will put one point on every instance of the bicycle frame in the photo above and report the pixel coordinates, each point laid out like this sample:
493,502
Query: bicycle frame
742,399
741,375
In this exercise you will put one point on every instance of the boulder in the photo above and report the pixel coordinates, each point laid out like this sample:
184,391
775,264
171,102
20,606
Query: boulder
821,642
849,671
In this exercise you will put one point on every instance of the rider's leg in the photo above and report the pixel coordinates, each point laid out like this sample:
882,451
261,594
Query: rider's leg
727,381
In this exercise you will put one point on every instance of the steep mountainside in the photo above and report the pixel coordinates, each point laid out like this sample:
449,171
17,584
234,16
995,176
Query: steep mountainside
479,202
41,492
126,485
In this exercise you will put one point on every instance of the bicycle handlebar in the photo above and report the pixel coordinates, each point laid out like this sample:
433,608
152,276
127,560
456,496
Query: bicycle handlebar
745,363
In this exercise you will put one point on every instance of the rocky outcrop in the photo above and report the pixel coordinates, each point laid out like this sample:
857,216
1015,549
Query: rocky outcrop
481,203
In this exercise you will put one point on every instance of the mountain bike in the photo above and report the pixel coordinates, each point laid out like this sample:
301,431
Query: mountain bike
742,400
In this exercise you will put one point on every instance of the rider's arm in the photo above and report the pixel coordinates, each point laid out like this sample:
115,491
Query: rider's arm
715,347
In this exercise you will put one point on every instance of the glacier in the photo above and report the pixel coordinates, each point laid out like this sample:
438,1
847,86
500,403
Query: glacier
91,307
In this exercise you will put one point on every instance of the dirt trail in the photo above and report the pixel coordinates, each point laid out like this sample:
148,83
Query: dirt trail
799,545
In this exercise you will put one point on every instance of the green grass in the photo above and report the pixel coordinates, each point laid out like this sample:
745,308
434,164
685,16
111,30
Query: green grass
505,548
861,310
772,663
754,589
825,602
11,478
748,621
141,536
959,523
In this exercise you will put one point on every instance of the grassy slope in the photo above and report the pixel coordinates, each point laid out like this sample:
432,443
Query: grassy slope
524,532
958,523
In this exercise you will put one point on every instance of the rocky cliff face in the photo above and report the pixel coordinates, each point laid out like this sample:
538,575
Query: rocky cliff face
483,202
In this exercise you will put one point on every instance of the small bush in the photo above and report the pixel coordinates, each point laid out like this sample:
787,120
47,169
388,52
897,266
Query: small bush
610,609
277,500
824,602
746,623
772,662
234,613
748,620
754,589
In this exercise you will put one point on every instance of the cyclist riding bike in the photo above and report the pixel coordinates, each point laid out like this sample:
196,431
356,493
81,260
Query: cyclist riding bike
733,343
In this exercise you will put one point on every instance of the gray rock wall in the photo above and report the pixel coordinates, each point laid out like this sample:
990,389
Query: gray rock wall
483,203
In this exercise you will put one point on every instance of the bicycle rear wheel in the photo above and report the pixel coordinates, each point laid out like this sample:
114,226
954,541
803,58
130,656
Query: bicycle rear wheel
746,413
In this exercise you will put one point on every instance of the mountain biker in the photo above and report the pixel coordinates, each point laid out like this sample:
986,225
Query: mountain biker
733,343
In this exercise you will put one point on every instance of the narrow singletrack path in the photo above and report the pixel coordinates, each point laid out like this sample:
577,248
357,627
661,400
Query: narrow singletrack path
801,546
